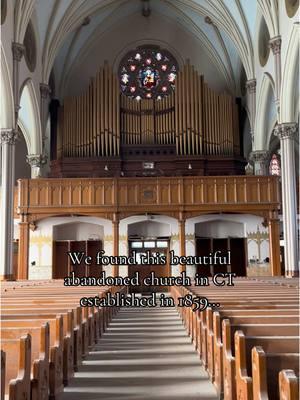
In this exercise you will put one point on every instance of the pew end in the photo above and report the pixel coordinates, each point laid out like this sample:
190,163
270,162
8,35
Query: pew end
288,385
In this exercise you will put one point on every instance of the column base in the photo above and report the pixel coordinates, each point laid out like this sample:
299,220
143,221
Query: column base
7,277
293,274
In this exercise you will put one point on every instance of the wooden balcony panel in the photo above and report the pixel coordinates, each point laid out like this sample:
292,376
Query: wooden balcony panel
235,193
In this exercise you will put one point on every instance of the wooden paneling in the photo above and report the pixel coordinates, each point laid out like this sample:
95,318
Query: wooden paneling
161,195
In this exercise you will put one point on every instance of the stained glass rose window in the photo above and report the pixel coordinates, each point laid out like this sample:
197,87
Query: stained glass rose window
148,72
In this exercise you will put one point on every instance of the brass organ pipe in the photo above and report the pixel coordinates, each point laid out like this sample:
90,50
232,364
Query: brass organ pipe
200,115
184,112
176,114
114,125
126,120
210,122
197,94
76,141
206,105
79,127
151,117
102,110
227,126
233,125
180,114
117,115
218,125
188,108
106,107
99,112
135,122
222,122
109,100
214,121
81,124
156,120
159,122
163,121
85,132
88,121
192,105
168,113
66,152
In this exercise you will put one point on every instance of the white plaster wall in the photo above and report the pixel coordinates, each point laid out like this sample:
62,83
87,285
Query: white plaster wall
231,225
133,31
74,228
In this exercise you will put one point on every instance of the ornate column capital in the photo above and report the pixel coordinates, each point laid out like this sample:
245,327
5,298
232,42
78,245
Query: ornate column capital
275,44
259,156
44,90
36,160
251,86
18,51
286,130
9,136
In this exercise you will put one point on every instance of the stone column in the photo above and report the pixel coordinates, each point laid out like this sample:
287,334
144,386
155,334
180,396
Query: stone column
286,133
18,50
260,158
8,139
45,93
181,229
275,45
36,161
115,222
251,90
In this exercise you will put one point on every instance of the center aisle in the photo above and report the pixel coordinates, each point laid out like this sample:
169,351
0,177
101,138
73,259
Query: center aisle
144,354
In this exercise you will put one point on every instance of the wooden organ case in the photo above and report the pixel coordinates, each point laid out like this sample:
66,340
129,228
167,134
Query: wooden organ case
192,131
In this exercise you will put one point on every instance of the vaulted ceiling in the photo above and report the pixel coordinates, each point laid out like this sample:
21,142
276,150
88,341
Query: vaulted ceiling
221,31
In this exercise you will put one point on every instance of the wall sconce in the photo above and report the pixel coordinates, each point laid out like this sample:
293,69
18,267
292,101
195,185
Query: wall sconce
190,166
106,168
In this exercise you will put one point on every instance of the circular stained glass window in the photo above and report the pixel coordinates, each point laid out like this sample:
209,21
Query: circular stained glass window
148,72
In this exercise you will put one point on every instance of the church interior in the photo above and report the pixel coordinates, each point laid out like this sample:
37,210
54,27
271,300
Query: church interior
141,128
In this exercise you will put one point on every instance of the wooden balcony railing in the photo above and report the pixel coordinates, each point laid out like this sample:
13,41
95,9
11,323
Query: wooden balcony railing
127,196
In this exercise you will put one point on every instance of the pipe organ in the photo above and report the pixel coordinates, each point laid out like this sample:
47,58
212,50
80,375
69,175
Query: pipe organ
193,122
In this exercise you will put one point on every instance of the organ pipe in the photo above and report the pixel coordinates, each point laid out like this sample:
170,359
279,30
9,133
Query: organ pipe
194,118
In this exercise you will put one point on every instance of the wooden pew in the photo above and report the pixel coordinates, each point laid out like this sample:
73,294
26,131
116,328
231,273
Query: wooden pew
39,356
56,353
3,367
247,302
288,385
261,324
267,365
243,346
18,367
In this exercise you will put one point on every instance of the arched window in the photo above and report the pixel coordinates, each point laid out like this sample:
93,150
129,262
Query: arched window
274,167
148,72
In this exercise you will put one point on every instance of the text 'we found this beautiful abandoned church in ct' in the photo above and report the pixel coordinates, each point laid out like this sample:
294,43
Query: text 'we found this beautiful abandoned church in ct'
143,140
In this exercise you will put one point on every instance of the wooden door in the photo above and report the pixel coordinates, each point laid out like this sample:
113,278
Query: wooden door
221,245
203,248
61,262
238,256
152,247
93,247
79,247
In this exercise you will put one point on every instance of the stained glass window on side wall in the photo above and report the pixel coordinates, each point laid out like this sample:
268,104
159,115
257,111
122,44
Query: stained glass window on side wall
274,165
148,72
